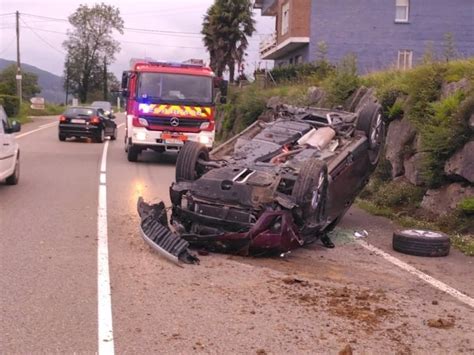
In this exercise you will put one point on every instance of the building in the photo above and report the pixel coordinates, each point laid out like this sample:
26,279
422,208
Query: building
382,33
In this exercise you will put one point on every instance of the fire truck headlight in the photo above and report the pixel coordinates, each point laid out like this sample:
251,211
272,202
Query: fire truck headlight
204,139
205,125
140,136
143,121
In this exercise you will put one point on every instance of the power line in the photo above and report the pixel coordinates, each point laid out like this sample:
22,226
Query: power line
7,14
7,46
41,38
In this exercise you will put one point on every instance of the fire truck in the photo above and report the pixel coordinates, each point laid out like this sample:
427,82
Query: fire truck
168,104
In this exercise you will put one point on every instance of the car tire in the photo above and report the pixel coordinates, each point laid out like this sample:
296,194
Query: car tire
371,122
187,166
132,153
421,242
114,135
15,177
62,137
101,136
310,193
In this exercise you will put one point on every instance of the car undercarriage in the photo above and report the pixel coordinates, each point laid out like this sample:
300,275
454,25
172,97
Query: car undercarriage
274,187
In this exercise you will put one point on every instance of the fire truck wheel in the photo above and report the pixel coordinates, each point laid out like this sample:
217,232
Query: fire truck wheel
187,164
132,153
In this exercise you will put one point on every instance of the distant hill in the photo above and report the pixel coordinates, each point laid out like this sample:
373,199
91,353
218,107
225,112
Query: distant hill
51,84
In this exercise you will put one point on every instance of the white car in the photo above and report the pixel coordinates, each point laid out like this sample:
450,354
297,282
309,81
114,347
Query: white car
9,150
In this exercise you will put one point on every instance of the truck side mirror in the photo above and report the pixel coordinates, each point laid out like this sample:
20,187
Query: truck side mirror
125,77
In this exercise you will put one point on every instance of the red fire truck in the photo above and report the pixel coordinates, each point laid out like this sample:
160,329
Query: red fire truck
168,104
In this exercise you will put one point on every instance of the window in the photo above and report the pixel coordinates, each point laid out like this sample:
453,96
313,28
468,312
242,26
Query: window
401,10
405,59
285,18
298,59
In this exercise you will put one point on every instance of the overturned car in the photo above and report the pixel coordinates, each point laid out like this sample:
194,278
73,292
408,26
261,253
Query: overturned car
276,186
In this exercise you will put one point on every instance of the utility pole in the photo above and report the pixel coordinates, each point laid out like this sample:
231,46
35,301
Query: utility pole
105,79
67,81
18,63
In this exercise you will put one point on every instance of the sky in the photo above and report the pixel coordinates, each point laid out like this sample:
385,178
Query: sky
180,20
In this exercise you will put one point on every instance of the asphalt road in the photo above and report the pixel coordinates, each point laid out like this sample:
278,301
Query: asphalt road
314,301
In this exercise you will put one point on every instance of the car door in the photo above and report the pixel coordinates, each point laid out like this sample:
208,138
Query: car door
7,147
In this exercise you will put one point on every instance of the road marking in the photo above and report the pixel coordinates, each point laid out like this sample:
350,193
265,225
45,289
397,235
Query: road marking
121,125
421,275
104,299
36,130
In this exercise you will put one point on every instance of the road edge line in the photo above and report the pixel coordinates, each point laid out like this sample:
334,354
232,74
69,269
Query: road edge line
49,125
104,297
421,275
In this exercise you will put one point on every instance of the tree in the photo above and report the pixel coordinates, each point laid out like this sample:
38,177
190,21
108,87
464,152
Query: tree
88,43
29,83
226,26
449,46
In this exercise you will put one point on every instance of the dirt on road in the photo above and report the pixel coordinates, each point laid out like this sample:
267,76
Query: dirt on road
315,300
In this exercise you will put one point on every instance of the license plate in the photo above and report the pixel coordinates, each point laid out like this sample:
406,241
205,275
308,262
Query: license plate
78,120
174,141
175,137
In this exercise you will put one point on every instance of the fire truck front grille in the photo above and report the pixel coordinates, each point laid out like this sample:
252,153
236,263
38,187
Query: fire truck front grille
181,122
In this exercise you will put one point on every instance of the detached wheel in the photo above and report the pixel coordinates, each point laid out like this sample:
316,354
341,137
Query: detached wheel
187,164
371,123
421,242
15,177
310,192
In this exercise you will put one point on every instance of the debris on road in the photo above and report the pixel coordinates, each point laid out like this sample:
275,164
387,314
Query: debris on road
441,323
361,234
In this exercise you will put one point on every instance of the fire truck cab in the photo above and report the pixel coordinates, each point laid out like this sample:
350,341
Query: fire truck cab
168,104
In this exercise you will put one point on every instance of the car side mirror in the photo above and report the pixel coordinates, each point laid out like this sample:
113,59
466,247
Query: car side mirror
15,126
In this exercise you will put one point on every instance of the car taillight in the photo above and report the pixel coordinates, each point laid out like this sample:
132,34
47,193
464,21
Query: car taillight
95,120
62,118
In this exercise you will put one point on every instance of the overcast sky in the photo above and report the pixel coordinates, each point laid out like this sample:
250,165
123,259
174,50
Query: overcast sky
41,38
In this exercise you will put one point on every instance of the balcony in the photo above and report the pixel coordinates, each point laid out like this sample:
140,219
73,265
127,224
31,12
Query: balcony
270,49
268,43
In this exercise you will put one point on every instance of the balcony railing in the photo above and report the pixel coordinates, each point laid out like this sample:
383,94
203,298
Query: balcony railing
268,43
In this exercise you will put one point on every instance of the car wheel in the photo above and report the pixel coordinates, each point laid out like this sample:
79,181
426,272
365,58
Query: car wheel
421,242
371,122
15,177
101,136
114,135
62,137
132,153
187,163
310,193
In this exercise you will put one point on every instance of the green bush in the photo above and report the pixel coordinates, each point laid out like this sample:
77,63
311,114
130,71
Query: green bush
343,83
397,194
467,205
300,72
11,104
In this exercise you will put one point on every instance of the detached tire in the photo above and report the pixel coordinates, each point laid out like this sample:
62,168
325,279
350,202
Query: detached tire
310,192
371,122
187,163
421,242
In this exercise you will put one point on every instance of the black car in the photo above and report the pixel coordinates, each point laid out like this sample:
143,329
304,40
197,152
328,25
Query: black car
276,186
90,122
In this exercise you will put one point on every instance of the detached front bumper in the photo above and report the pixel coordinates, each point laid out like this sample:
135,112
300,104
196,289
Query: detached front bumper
274,232
147,138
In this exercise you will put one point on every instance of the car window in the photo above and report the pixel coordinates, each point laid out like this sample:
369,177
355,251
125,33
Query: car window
74,111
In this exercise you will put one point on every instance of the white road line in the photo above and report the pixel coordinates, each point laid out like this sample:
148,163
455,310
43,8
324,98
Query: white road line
421,275
121,125
104,299
36,130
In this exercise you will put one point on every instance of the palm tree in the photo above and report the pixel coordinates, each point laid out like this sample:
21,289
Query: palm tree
226,26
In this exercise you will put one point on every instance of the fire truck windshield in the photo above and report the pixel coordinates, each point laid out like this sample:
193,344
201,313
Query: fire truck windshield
174,88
